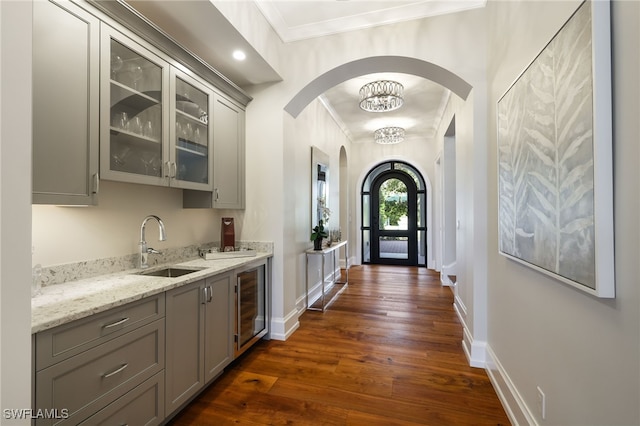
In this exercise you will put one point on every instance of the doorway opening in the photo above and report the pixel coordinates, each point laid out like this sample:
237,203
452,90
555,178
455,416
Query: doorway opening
394,215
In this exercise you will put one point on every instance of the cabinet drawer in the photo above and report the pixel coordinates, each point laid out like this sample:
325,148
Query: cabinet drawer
144,405
89,381
62,342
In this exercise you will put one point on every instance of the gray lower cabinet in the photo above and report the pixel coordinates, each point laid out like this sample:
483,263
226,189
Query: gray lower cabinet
139,363
66,42
199,337
88,365
144,405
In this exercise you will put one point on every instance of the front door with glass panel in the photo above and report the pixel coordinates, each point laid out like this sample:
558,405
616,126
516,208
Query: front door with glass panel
394,220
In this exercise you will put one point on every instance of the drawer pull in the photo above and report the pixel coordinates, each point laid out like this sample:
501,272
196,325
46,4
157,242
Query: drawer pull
116,323
116,371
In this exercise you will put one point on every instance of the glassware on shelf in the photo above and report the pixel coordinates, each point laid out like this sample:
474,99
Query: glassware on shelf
136,127
148,130
120,120
136,75
120,157
150,162
116,65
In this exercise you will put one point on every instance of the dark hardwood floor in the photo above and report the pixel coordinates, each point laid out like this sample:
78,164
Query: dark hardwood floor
387,352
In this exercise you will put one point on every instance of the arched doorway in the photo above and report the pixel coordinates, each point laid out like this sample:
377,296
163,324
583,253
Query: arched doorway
394,215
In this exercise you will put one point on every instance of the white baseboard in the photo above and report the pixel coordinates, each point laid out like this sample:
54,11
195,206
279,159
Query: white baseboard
513,403
449,269
460,308
445,281
474,349
282,328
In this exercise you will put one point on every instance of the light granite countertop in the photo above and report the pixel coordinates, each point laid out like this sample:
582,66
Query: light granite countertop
62,303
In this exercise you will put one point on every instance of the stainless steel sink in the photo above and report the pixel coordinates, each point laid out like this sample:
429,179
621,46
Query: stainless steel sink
169,272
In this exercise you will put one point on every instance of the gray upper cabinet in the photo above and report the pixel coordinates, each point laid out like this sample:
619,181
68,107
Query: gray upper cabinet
155,118
65,104
115,99
228,154
191,132
134,111
228,159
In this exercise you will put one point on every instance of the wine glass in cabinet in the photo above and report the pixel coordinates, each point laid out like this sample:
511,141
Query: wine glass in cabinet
134,111
191,133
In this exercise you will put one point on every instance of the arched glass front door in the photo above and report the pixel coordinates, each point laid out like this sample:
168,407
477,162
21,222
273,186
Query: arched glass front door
393,216
394,237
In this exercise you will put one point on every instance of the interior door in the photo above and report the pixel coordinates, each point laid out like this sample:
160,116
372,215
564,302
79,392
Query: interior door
394,220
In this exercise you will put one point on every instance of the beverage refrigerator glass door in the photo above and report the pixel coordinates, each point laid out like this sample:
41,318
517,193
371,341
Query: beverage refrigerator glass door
251,317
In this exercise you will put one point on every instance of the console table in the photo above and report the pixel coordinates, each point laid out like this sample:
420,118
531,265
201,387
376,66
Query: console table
333,250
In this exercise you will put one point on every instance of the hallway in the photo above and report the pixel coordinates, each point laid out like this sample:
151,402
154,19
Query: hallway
387,352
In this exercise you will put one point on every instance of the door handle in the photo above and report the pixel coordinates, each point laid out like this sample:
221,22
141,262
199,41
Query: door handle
96,183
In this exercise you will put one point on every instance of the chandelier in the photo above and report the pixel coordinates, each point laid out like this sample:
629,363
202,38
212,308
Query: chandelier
381,96
389,135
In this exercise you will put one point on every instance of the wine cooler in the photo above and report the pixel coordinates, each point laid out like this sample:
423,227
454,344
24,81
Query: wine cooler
252,313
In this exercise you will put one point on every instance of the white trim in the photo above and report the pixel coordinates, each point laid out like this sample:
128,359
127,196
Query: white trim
478,356
512,402
460,308
445,281
448,270
362,18
475,350
282,328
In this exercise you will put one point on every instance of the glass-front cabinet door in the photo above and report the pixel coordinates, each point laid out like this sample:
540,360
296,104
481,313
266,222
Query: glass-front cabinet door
134,111
191,133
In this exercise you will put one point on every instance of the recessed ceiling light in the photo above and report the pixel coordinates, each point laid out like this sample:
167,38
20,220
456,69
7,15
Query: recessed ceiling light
239,55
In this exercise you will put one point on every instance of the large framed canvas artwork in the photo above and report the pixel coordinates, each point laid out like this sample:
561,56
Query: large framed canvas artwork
555,174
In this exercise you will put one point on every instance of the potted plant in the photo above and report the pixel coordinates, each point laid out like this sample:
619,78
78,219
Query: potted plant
318,234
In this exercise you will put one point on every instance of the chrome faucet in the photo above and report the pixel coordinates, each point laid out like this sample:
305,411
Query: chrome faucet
144,250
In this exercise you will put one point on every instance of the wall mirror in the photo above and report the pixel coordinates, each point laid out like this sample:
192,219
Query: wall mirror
319,185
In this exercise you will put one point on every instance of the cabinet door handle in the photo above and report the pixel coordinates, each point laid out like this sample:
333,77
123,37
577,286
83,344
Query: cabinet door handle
96,183
114,372
167,172
206,295
116,323
174,166
210,291
217,196
238,313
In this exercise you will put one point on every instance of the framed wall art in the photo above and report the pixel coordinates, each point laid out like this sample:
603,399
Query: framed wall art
555,174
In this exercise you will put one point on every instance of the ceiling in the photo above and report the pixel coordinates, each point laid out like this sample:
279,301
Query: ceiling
300,19
200,27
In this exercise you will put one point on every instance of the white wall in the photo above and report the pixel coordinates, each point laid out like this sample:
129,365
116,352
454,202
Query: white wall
313,127
450,41
583,352
15,212
111,229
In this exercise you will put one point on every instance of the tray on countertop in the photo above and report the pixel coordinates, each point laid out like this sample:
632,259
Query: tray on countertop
210,254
